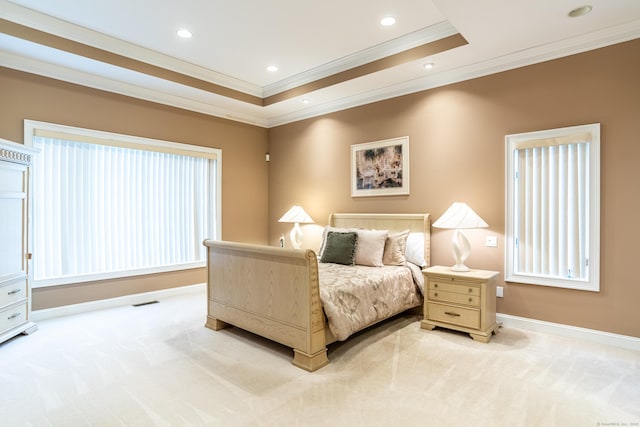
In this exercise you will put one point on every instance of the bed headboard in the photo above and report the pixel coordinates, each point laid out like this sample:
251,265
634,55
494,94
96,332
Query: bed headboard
416,223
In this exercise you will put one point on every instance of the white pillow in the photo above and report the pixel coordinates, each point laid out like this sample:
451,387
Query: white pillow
395,248
370,247
415,249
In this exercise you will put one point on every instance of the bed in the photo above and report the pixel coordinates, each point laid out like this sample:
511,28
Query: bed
277,292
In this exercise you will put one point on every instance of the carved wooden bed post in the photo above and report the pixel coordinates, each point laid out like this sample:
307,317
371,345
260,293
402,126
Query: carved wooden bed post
315,356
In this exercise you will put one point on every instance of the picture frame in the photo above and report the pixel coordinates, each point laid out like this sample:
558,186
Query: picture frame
380,168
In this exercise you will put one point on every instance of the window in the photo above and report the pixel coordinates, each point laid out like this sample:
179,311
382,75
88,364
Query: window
553,207
108,205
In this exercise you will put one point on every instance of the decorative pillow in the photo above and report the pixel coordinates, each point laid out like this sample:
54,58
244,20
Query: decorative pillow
370,247
326,231
394,248
415,249
340,248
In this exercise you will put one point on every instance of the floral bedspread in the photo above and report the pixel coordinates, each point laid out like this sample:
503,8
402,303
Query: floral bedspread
356,296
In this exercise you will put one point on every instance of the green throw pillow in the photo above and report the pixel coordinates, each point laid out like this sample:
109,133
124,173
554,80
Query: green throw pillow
340,248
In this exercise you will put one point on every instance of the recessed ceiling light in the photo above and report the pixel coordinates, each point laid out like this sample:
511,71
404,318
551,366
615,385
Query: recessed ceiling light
272,68
184,33
428,65
306,100
387,21
580,11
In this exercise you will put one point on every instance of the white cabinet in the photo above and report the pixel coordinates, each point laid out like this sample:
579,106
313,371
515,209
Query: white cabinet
15,290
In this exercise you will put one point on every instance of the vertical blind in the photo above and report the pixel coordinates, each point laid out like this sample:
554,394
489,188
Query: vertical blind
552,200
103,208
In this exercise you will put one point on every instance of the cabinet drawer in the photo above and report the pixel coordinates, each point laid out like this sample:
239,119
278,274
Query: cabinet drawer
13,293
468,317
13,316
454,286
456,298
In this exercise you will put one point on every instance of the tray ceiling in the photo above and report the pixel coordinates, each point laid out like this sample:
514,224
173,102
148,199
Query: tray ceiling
329,55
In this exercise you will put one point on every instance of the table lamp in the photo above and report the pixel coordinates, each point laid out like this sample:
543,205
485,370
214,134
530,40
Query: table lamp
296,215
460,216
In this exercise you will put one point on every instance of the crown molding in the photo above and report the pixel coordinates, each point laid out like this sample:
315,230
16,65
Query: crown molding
258,116
66,30
567,47
70,75
365,56
48,24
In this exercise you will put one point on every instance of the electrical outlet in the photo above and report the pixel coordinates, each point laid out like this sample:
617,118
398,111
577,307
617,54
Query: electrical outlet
499,291
492,241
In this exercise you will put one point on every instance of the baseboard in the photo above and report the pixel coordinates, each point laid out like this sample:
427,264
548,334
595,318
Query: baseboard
617,340
48,313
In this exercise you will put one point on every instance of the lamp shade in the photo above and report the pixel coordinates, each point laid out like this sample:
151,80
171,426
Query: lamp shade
296,214
459,216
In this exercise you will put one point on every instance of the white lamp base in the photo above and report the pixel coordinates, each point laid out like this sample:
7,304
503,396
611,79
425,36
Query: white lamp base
461,250
296,236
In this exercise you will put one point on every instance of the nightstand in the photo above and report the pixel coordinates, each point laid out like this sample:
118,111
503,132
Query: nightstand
464,301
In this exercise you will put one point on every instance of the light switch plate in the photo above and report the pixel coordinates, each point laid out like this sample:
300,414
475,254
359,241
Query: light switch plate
492,241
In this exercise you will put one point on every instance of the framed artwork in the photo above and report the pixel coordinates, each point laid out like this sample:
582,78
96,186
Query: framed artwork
380,168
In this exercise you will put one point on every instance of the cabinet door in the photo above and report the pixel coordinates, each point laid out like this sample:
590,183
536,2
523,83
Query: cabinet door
13,217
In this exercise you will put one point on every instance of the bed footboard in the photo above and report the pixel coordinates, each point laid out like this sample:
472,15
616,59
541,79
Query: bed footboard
272,292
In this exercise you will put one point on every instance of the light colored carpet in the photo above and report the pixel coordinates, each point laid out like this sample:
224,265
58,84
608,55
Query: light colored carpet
157,365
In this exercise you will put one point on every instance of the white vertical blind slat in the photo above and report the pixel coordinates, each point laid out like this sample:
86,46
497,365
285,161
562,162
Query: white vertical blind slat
554,205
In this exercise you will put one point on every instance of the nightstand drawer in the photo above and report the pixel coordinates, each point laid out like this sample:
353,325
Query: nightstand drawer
444,296
460,316
454,286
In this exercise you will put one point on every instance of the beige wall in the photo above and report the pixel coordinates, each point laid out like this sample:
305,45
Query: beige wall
457,154
244,171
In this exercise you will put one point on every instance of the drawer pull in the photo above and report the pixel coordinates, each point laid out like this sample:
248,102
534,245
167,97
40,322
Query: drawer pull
435,294
435,285
13,316
13,292
470,289
451,313
470,299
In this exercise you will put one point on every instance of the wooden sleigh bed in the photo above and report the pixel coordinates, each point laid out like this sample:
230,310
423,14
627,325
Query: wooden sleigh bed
275,292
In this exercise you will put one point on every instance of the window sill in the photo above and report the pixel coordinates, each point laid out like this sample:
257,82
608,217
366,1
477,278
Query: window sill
70,280
576,284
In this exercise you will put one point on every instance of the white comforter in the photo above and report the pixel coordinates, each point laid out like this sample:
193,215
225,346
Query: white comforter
354,297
